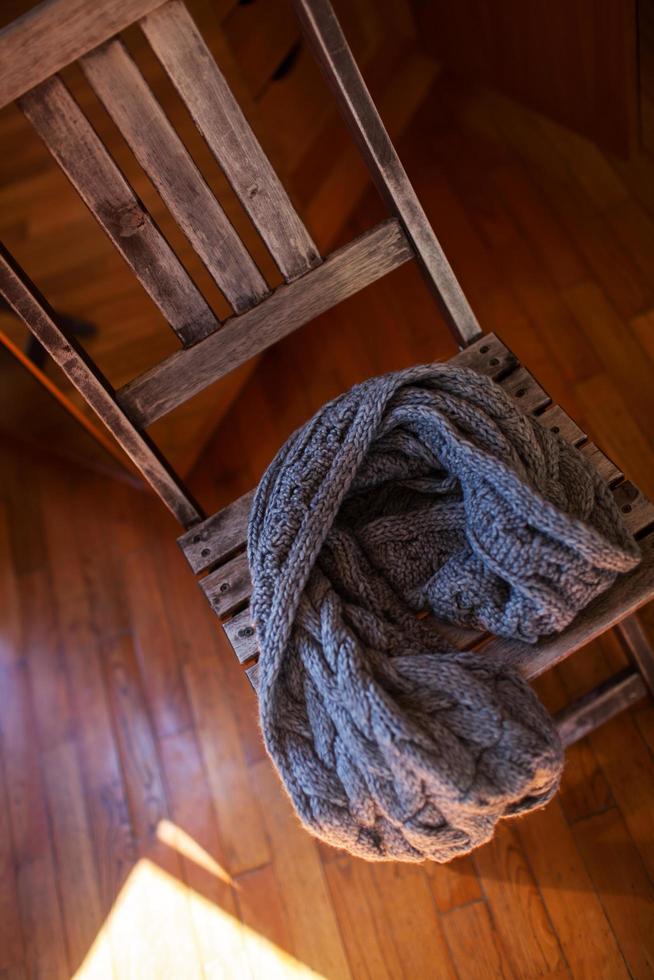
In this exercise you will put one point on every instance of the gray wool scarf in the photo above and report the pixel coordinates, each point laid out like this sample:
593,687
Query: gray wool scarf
425,490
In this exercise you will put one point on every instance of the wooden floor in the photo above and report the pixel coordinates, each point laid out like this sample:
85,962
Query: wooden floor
142,830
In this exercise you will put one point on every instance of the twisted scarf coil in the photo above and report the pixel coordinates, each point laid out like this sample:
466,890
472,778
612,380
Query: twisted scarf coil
421,490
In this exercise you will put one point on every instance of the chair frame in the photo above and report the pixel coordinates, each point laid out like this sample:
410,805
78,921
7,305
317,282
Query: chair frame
33,50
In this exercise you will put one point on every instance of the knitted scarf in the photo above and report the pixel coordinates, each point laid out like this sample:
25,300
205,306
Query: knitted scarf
424,490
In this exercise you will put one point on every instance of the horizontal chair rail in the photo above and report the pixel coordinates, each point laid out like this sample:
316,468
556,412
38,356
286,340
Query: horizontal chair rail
59,31
344,272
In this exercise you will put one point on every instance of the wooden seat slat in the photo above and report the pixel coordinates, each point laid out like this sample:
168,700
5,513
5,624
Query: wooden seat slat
229,586
637,510
242,635
604,466
487,355
522,386
555,418
216,538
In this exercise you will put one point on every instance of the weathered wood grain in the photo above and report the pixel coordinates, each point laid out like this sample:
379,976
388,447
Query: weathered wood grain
596,707
637,510
242,635
229,586
522,386
79,152
214,539
335,58
605,467
56,32
345,272
25,299
555,418
186,58
129,101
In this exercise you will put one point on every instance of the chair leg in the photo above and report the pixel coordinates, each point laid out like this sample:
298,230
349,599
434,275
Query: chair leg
636,641
614,695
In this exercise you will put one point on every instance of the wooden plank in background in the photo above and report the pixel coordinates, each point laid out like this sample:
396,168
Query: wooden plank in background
587,941
38,900
12,945
362,916
194,832
618,876
155,645
453,884
525,929
42,649
315,935
475,945
234,795
77,873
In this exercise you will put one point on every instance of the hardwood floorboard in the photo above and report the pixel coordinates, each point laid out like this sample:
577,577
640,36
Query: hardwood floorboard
618,875
475,945
532,946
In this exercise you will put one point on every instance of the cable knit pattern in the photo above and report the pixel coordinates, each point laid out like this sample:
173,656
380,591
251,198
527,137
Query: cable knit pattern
422,490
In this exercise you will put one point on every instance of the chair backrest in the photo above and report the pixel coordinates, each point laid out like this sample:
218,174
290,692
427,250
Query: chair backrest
38,45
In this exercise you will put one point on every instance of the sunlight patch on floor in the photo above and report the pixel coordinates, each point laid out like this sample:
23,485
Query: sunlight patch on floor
172,835
160,928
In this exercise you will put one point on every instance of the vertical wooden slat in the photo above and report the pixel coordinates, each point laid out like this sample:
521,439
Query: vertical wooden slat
25,299
186,58
81,155
333,53
120,86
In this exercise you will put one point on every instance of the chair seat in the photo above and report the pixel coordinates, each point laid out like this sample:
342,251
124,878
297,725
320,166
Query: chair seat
217,545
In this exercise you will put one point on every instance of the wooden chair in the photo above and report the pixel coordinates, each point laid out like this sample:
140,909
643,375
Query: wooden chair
37,46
